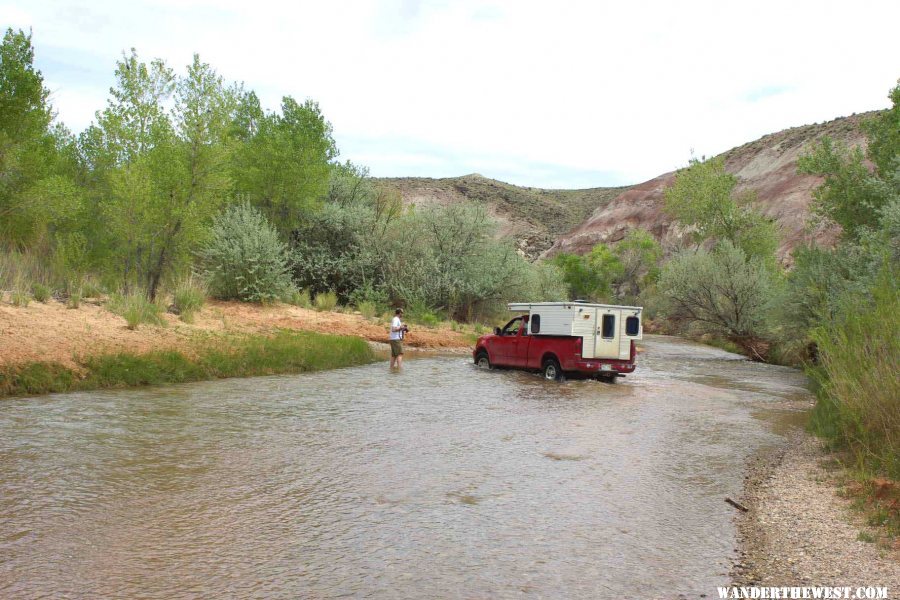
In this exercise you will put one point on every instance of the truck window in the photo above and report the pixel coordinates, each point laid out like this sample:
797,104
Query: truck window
512,328
609,326
535,324
632,326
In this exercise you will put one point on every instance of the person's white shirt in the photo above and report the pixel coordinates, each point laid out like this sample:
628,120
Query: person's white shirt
396,325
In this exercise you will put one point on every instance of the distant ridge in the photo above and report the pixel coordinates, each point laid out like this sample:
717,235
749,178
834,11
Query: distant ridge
544,222
533,217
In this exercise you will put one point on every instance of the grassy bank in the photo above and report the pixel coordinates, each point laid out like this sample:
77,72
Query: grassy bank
218,357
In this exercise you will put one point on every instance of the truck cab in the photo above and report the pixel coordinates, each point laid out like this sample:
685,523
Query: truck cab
558,338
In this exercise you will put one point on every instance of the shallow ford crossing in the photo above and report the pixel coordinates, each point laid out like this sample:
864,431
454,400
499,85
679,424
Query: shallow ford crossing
441,481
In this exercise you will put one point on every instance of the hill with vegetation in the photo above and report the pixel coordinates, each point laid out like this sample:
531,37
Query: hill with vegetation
535,218
766,167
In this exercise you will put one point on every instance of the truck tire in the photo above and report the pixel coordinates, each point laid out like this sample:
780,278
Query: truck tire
482,360
551,370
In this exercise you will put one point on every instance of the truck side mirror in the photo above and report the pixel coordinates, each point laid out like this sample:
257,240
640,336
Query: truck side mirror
496,331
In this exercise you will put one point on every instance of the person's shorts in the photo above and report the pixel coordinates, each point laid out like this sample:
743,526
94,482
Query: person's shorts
396,347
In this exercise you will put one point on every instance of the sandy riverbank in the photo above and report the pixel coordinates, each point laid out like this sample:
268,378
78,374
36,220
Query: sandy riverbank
799,531
51,332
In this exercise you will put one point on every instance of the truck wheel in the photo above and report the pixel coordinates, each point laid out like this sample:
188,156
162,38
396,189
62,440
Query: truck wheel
482,360
552,370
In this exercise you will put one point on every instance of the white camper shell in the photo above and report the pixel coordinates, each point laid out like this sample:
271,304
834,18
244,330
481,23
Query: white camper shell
606,330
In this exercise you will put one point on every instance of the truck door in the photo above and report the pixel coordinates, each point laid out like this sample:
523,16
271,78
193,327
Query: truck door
504,346
519,345
608,332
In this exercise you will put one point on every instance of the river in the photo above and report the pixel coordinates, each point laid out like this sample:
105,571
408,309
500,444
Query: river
442,480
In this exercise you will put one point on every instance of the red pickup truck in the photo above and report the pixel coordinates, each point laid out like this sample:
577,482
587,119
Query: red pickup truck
553,355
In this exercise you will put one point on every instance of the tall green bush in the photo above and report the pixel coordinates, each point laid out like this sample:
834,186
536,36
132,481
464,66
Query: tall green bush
720,291
859,390
244,258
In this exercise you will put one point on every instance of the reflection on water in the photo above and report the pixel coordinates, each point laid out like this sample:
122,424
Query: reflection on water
440,481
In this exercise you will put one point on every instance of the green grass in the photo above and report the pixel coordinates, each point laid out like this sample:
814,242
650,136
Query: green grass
74,299
40,292
20,298
421,314
326,301
188,298
243,356
367,309
864,536
136,309
91,289
299,298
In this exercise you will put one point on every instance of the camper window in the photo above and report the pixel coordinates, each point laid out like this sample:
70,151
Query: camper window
535,323
632,326
609,326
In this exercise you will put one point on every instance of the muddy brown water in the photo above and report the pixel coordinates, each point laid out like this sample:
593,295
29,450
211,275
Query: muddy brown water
440,481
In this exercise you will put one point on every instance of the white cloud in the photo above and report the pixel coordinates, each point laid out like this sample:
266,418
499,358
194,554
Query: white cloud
525,90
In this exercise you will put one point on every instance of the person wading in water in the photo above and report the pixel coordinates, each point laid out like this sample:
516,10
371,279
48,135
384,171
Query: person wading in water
398,330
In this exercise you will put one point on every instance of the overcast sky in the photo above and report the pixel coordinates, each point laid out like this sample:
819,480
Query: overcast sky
548,94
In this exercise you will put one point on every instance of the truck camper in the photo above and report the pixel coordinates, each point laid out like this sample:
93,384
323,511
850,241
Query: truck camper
556,338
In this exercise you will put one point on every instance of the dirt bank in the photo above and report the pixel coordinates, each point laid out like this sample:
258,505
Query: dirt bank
50,332
799,531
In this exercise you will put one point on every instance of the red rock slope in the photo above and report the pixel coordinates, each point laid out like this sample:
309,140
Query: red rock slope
768,165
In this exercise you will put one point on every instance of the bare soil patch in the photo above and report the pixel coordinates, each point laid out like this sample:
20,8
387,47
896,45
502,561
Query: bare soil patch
51,332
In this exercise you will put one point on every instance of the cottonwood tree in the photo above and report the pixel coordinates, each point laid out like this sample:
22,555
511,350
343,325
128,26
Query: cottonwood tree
159,159
29,147
854,194
591,276
639,254
704,198
283,168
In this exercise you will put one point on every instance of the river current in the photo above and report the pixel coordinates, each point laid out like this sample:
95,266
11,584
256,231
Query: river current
441,481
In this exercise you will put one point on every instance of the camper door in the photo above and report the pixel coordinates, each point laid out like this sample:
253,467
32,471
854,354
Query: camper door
609,326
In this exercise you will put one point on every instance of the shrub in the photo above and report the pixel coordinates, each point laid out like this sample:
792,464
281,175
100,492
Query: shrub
244,259
20,298
375,296
858,388
719,292
367,309
73,301
326,301
136,309
91,289
40,292
188,298
299,298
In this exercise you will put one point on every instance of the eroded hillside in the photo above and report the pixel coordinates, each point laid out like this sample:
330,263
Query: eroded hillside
767,165
545,222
